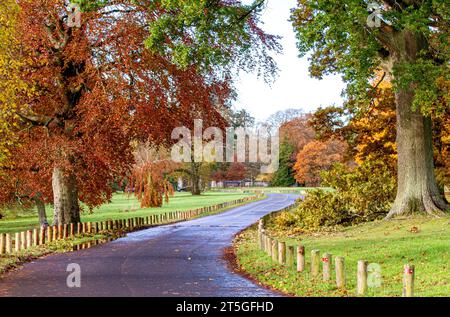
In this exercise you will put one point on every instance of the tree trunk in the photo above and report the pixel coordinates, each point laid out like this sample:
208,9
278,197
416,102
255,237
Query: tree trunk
65,196
41,212
195,178
417,190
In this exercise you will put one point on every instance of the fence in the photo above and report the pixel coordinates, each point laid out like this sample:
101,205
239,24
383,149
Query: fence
16,242
286,256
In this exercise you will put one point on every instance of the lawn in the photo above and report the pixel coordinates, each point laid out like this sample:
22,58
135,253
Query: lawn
121,206
420,241
288,190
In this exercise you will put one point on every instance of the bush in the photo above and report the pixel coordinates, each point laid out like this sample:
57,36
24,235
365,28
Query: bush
361,194
367,190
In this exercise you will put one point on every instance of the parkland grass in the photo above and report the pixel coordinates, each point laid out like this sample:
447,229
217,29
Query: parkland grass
420,241
121,206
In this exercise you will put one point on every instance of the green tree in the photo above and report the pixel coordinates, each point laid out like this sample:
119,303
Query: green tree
284,176
407,39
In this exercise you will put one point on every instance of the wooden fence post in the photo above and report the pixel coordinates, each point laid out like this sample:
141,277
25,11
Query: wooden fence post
42,236
65,234
326,266
408,280
362,278
49,234
300,258
72,230
79,231
269,246
315,263
339,264
290,256
17,242
282,253
35,237
55,233
8,243
23,240
29,238
275,250
60,232
263,240
260,232
2,243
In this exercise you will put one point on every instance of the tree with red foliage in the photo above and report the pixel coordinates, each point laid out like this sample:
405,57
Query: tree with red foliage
236,172
297,132
150,177
96,88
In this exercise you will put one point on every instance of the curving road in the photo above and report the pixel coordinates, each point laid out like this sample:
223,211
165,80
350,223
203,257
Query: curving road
179,260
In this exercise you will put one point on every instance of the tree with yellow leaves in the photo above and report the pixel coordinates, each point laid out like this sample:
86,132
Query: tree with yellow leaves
10,82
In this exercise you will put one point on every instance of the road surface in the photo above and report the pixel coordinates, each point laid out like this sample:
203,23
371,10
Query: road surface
178,260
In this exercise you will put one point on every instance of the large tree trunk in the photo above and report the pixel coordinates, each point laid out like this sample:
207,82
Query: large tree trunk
65,196
417,190
43,222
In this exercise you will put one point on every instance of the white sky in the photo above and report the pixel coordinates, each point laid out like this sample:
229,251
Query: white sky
294,88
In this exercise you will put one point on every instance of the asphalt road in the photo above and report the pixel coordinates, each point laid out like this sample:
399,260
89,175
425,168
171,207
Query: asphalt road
179,260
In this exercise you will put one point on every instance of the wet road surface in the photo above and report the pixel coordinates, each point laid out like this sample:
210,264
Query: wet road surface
179,260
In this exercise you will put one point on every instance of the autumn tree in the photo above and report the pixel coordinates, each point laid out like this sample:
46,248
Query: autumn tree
408,40
10,81
315,157
236,172
149,180
371,135
97,87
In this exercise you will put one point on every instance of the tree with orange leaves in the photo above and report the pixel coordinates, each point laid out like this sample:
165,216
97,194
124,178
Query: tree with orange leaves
97,88
150,177
315,157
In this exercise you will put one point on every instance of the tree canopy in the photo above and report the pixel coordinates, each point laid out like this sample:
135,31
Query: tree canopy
99,86
408,40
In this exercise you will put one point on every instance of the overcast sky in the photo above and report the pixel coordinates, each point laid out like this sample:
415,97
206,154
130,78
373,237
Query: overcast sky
294,88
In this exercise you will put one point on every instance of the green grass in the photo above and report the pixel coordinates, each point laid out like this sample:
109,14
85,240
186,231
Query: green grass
421,241
122,207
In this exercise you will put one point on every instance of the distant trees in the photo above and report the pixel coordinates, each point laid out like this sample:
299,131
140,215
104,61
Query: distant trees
236,172
284,176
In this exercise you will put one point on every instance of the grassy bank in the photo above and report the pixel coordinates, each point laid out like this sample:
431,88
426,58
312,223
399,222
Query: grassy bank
121,207
423,242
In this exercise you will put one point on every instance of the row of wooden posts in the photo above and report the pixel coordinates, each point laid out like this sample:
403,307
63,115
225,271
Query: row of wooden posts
16,242
286,255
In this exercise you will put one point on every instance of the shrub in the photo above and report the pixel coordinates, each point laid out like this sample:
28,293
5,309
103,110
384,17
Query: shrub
360,194
367,190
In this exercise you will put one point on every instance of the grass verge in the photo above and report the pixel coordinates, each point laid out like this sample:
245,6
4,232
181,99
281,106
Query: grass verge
421,241
122,206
